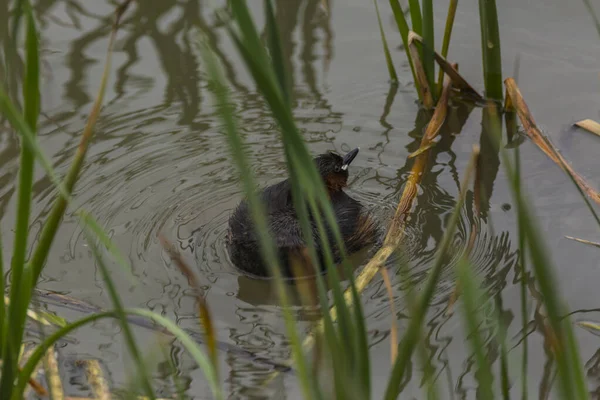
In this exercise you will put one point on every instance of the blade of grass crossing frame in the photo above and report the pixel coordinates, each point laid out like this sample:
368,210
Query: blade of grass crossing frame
572,380
429,40
415,16
386,50
404,29
409,341
21,277
523,267
299,160
588,5
53,221
127,333
471,298
490,49
2,305
276,52
446,40
188,343
246,177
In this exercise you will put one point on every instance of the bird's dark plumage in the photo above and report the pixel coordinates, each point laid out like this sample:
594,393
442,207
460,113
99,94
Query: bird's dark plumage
357,227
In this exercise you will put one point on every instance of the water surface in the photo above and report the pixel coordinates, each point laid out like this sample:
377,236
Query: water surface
159,163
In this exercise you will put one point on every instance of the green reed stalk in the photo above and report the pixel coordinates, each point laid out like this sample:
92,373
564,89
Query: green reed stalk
404,29
236,146
523,269
415,16
595,18
446,41
572,381
17,309
410,339
121,316
490,49
429,41
472,298
188,343
386,50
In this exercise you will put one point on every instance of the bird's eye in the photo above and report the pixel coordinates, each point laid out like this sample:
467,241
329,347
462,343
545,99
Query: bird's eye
337,168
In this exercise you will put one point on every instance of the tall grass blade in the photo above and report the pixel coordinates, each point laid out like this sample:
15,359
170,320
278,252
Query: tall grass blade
429,40
411,337
588,5
472,296
388,57
404,29
54,218
20,284
524,275
236,146
203,309
570,373
188,343
446,40
490,49
415,16
3,325
119,310
276,52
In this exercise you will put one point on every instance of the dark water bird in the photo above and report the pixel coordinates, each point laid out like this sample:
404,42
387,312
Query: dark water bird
357,227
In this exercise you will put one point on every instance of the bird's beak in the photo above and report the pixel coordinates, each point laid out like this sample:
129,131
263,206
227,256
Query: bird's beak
351,155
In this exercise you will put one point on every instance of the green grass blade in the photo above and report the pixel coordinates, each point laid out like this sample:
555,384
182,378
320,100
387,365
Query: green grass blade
490,49
236,146
90,222
20,285
122,317
446,40
471,299
386,50
10,112
404,29
593,14
415,16
181,335
49,341
411,337
429,41
524,279
56,214
572,381
276,51
3,324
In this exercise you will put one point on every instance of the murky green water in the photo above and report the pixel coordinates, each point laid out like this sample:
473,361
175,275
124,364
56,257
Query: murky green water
159,164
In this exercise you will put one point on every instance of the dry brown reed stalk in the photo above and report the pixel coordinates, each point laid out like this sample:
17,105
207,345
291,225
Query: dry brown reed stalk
589,125
33,384
583,241
203,310
96,379
53,376
518,104
458,82
420,75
